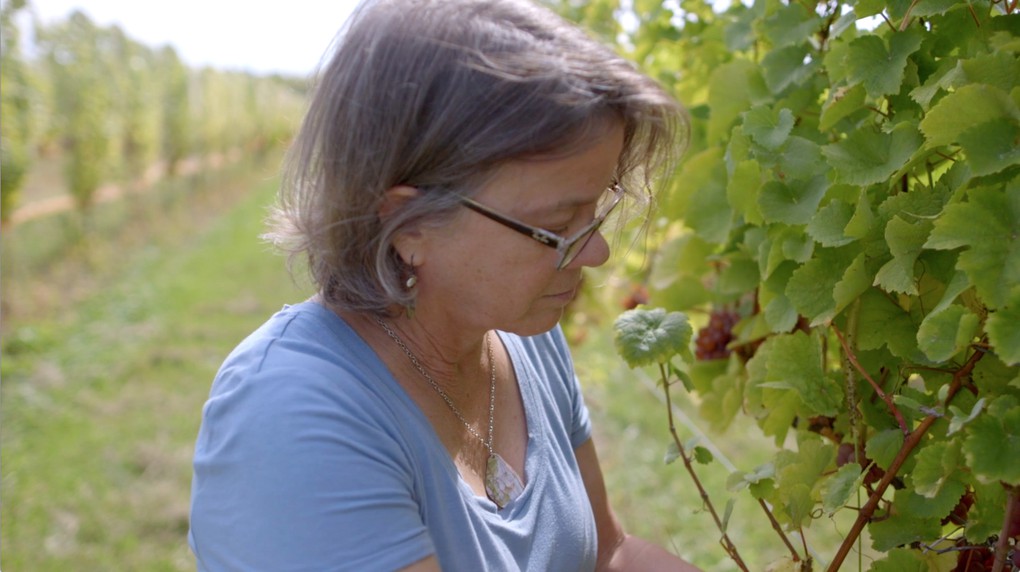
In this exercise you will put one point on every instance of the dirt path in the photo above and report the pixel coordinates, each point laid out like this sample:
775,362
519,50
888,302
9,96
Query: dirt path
112,191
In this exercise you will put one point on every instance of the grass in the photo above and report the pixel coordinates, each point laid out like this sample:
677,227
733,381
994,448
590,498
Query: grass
101,397
109,350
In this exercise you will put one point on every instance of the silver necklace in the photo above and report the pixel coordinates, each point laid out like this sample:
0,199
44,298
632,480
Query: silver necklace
502,485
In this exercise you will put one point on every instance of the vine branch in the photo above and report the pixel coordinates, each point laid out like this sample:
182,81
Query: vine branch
726,542
909,444
878,390
1002,546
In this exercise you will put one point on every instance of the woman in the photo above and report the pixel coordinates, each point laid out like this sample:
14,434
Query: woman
421,411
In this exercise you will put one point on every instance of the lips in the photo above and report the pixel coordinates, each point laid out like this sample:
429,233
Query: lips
565,295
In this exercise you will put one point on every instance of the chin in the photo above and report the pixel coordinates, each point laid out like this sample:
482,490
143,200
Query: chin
536,324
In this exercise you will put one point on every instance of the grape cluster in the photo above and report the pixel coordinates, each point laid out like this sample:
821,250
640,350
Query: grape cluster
713,338
975,559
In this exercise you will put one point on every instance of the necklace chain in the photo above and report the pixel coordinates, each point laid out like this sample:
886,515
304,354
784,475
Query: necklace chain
449,402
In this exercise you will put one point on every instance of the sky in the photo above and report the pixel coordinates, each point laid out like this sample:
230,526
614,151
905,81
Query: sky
278,36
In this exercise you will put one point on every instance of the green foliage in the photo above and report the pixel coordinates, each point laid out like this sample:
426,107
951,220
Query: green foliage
652,336
15,112
855,193
83,102
117,108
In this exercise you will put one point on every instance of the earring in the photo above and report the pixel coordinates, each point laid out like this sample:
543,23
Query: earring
413,278
409,284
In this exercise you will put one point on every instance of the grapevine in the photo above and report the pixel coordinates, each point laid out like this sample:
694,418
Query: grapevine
848,217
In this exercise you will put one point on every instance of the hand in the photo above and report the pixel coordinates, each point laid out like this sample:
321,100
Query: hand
638,555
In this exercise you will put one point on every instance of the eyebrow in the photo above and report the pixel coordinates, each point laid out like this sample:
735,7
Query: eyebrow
564,204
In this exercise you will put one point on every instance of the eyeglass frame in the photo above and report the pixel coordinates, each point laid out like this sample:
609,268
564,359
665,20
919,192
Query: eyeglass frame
561,244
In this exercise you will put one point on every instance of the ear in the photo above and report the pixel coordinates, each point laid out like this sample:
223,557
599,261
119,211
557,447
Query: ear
394,199
408,241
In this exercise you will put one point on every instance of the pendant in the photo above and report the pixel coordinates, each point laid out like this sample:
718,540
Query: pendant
502,485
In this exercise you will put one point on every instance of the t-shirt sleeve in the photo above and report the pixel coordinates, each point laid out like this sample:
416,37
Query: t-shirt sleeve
292,473
580,423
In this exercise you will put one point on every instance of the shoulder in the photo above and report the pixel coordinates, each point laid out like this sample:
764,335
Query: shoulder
304,368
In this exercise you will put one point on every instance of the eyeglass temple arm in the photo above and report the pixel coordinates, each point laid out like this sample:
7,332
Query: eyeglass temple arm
541,235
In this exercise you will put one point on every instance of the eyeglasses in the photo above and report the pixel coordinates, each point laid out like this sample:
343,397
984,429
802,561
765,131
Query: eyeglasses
568,248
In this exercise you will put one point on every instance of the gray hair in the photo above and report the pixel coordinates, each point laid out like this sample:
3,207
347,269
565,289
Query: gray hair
436,95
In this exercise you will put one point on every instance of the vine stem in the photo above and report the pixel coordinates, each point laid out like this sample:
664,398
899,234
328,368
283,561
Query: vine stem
856,435
909,444
850,355
726,542
1002,546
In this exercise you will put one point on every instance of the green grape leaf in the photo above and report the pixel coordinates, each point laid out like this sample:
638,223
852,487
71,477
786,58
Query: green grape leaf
650,336
918,204
779,408
742,190
865,8
863,223
883,446
900,529
841,486
989,225
1003,329
999,68
738,481
855,281
678,258
880,69
904,560
937,506
801,158
767,127
796,360
723,401
943,334
811,286
826,227
739,275
787,66
791,202
985,518
958,284
990,436
992,146
935,465
834,61
867,157
790,24
925,8
709,213
966,107
730,89
883,323
949,74
798,473
780,314
905,241
672,453
703,456
959,420
795,500
842,102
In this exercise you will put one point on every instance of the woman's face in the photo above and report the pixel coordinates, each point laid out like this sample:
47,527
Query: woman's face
476,274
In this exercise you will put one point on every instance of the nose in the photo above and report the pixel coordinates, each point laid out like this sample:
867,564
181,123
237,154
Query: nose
594,253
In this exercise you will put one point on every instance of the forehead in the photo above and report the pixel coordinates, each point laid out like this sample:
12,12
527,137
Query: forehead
551,182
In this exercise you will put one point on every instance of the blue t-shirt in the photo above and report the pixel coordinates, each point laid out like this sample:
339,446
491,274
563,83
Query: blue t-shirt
312,457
